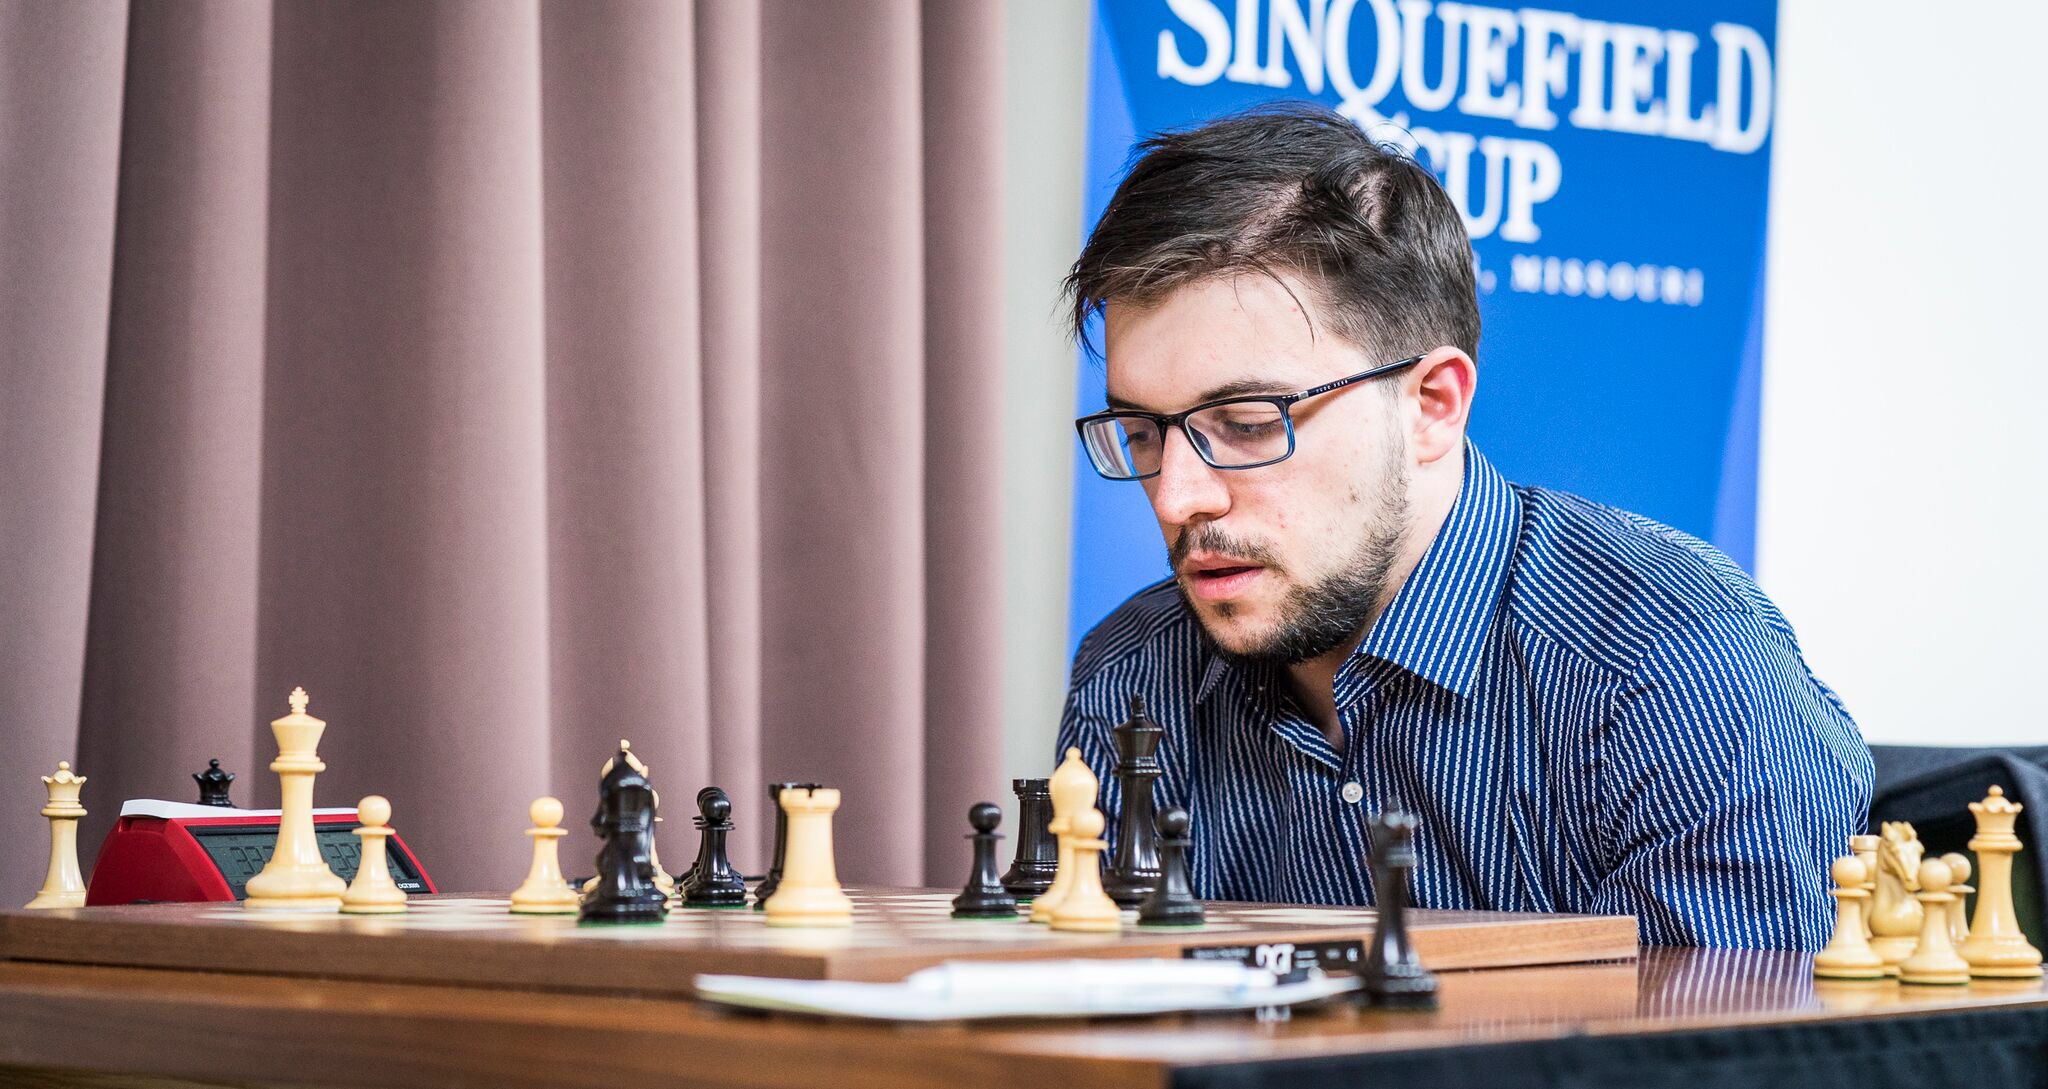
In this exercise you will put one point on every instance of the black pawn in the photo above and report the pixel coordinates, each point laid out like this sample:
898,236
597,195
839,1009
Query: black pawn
713,882
1038,853
774,878
684,879
1393,975
703,795
984,897
213,785
625,892
1136,867
1172,901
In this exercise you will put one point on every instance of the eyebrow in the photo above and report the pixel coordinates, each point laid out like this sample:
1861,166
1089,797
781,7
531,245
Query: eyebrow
1242,387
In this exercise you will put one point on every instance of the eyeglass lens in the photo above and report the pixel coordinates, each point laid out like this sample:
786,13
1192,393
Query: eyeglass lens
1228,436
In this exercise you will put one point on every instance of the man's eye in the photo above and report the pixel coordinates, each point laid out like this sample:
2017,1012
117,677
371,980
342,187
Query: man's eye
1251,428
1141,438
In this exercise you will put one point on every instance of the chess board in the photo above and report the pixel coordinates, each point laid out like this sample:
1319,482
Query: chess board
475,941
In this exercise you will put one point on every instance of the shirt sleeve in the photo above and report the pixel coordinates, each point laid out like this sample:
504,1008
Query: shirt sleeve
1730,779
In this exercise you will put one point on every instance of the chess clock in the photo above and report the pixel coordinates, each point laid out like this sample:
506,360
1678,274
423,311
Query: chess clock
174,852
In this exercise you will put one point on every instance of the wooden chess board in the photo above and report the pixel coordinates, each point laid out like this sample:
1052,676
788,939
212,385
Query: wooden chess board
475,941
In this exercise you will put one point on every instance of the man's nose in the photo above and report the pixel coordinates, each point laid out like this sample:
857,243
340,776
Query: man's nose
1187,487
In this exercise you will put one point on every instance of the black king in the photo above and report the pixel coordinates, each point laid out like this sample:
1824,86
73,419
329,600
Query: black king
1393,975
1136,868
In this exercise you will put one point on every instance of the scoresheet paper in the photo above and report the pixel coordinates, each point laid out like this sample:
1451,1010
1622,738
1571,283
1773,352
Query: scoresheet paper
976,990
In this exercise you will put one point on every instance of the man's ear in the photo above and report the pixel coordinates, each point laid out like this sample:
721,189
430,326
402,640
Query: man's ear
1441,388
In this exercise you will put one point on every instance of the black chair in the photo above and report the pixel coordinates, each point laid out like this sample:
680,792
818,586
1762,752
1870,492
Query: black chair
1933,787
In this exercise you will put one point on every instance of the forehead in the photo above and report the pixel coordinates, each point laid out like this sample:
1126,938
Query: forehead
1217,336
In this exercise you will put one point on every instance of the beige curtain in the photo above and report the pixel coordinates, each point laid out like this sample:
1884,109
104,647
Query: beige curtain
516,377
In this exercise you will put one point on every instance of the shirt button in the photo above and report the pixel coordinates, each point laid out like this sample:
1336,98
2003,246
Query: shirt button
1352,792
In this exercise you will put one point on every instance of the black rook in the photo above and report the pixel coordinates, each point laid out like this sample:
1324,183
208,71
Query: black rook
1038,854
767,886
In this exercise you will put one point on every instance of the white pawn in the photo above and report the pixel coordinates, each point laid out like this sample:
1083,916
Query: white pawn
1958,913
373,892
1935,960
1086,907
1848,955
1062,873
546,891
1865,850
1073,788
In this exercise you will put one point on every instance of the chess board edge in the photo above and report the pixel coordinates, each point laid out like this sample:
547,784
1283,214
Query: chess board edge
554,954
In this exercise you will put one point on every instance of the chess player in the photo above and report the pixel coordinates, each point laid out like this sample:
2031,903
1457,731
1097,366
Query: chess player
1589,711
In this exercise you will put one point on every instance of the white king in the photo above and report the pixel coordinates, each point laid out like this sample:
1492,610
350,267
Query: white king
297,877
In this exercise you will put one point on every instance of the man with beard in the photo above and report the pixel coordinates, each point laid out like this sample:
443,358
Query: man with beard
1589,711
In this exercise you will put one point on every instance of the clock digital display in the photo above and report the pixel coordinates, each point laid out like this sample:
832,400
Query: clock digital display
241,853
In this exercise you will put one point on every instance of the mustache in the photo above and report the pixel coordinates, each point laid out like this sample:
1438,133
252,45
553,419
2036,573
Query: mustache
1207,538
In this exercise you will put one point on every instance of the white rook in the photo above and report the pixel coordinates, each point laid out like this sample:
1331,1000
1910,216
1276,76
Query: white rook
809,894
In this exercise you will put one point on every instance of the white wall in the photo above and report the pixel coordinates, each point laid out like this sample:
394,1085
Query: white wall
1905,430
1045,113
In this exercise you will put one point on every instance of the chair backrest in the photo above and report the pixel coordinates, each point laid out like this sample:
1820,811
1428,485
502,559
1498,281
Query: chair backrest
1933,788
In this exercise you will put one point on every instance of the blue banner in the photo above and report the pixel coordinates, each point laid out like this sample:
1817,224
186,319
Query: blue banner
1612,162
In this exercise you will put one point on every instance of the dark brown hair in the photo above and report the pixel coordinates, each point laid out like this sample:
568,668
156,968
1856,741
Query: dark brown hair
1289,188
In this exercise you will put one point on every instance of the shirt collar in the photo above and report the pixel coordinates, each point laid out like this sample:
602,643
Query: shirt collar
1218,667
1436,625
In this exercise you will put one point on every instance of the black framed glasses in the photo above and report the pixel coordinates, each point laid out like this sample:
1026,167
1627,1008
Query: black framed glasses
1232,433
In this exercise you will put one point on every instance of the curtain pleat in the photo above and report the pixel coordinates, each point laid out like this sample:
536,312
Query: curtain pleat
842,363
728,68
60,150
404,568
626,482
963,402
170,673
516,377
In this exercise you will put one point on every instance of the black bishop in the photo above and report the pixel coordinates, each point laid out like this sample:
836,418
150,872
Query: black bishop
625,891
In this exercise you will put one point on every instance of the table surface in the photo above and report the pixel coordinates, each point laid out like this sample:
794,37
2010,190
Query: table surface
65,1024
475,941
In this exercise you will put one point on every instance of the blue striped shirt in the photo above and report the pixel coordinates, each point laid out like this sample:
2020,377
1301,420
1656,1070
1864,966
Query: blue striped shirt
1589,711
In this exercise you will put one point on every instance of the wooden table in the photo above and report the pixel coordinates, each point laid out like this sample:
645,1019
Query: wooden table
1669,1012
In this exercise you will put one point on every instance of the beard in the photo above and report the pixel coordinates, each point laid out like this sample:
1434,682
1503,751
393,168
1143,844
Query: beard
1319,617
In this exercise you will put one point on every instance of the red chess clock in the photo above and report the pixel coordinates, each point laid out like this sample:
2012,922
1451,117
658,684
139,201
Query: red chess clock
174,852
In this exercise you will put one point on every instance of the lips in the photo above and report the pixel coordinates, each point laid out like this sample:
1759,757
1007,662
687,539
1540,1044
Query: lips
1220,580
